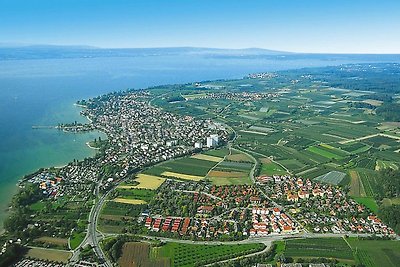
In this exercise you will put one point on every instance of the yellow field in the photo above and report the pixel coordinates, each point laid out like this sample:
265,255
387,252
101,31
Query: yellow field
207,157
227,174
53,240
48,254
129,201
183,176
146,182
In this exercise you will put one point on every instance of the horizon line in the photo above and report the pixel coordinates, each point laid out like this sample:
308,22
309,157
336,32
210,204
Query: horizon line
21,45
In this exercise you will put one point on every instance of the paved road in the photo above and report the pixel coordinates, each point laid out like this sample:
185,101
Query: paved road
92,235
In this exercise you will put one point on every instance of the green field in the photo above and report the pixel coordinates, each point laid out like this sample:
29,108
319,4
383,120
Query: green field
230,181
330,154
335,248
190,254
189,166
142,194
272,168
372,253
368,202
76,239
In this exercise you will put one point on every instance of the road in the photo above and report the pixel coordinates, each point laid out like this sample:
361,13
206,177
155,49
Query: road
93,237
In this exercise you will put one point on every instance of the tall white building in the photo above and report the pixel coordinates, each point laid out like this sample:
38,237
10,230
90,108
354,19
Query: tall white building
212,140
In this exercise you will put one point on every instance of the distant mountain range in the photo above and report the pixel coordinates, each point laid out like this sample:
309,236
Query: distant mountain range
15,51
23,51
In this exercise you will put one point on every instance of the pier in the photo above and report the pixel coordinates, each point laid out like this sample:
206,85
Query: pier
43,127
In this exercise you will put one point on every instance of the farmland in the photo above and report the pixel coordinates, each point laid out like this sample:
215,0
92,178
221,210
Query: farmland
376,252
133,193
368,202
148,181
189,254
48,255
233,170
332,177
356,185
183,168
136,254
335,248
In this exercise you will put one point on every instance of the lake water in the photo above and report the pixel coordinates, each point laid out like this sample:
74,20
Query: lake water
42,92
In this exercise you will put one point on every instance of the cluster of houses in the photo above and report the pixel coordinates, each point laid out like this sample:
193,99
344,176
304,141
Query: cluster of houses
47,182
74,179
239,195
201,228
220,210
239,96
270,220
263,75
142,134
322,208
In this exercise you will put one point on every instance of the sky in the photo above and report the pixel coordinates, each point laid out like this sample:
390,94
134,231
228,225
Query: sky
323,26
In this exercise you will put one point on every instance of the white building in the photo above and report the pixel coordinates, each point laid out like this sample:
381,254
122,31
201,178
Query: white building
212,140
198,145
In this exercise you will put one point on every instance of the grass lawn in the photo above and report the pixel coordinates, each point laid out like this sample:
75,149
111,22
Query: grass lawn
382,253
272,168
76,239
140,194
369,202
189,254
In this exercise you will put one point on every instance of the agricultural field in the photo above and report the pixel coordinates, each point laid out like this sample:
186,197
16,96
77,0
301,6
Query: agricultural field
137,254
207,157
332,177
239,157
356,185
233,170
185,255
182,176
145,182
115,217
326,152
52,241
391,201
371,253
370,180
136,194
129,201
269,167
335,248
48,255
182,168
384,164
60,215
368,202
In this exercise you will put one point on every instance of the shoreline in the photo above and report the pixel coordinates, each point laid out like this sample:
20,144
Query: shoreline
92,147
23,179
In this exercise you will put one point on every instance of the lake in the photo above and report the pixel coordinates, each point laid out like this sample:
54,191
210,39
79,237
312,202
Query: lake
43,91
